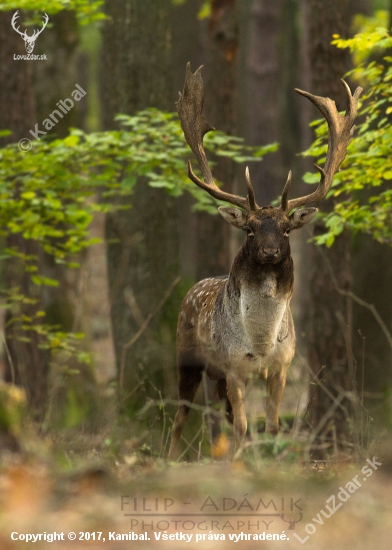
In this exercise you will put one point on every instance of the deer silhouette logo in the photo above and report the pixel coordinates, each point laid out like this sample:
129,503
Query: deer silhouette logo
29,40
291,521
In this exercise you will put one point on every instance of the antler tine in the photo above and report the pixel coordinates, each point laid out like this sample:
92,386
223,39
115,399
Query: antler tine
13,23
285,193
340,131
195,126
46,19
251,194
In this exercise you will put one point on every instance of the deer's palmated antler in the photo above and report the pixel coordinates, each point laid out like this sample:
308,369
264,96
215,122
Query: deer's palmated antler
340,131
195,126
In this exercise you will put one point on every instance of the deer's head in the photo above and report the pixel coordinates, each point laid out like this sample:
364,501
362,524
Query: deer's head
267,227
29,40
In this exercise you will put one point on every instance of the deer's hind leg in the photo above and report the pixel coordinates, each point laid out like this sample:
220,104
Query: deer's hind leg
189,379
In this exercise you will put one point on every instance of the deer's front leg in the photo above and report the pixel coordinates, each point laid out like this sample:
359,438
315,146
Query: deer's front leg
275,385
236,393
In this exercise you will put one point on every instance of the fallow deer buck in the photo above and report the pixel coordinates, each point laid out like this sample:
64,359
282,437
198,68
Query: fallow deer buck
239,326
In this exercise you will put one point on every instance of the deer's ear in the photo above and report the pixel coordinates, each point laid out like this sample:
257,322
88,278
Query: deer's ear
234,216
302,216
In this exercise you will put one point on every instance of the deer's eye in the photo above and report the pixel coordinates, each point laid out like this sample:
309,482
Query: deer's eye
248,231
287,232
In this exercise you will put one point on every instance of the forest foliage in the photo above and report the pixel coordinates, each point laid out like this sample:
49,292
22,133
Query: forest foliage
363,184
50,193
87,11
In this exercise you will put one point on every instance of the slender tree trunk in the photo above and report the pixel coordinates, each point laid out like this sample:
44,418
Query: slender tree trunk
186,46
289,101
17,105
26,363
213,236
54,80
331,411
263,93
142,242
272,107
372,265
60,70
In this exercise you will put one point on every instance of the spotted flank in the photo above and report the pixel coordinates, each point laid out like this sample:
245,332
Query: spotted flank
199,303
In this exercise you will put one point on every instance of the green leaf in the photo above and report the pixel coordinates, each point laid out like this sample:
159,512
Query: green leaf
28,195
128,182
41,280
311,177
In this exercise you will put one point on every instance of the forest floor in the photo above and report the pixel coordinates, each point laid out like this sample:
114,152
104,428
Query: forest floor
205,505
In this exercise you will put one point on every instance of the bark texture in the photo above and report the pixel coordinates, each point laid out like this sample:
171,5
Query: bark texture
372,265
54,80
220,100
142,242
60,70
186,46
263,105
26,363
272,73
17,102
331,411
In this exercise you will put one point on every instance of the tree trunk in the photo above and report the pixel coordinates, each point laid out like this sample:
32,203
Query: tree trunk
263,93
186,46
17,105
142,242
372,265
331,411
213,235
26,363
60,70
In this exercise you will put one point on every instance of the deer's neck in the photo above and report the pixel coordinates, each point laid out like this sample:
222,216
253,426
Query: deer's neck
259,296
